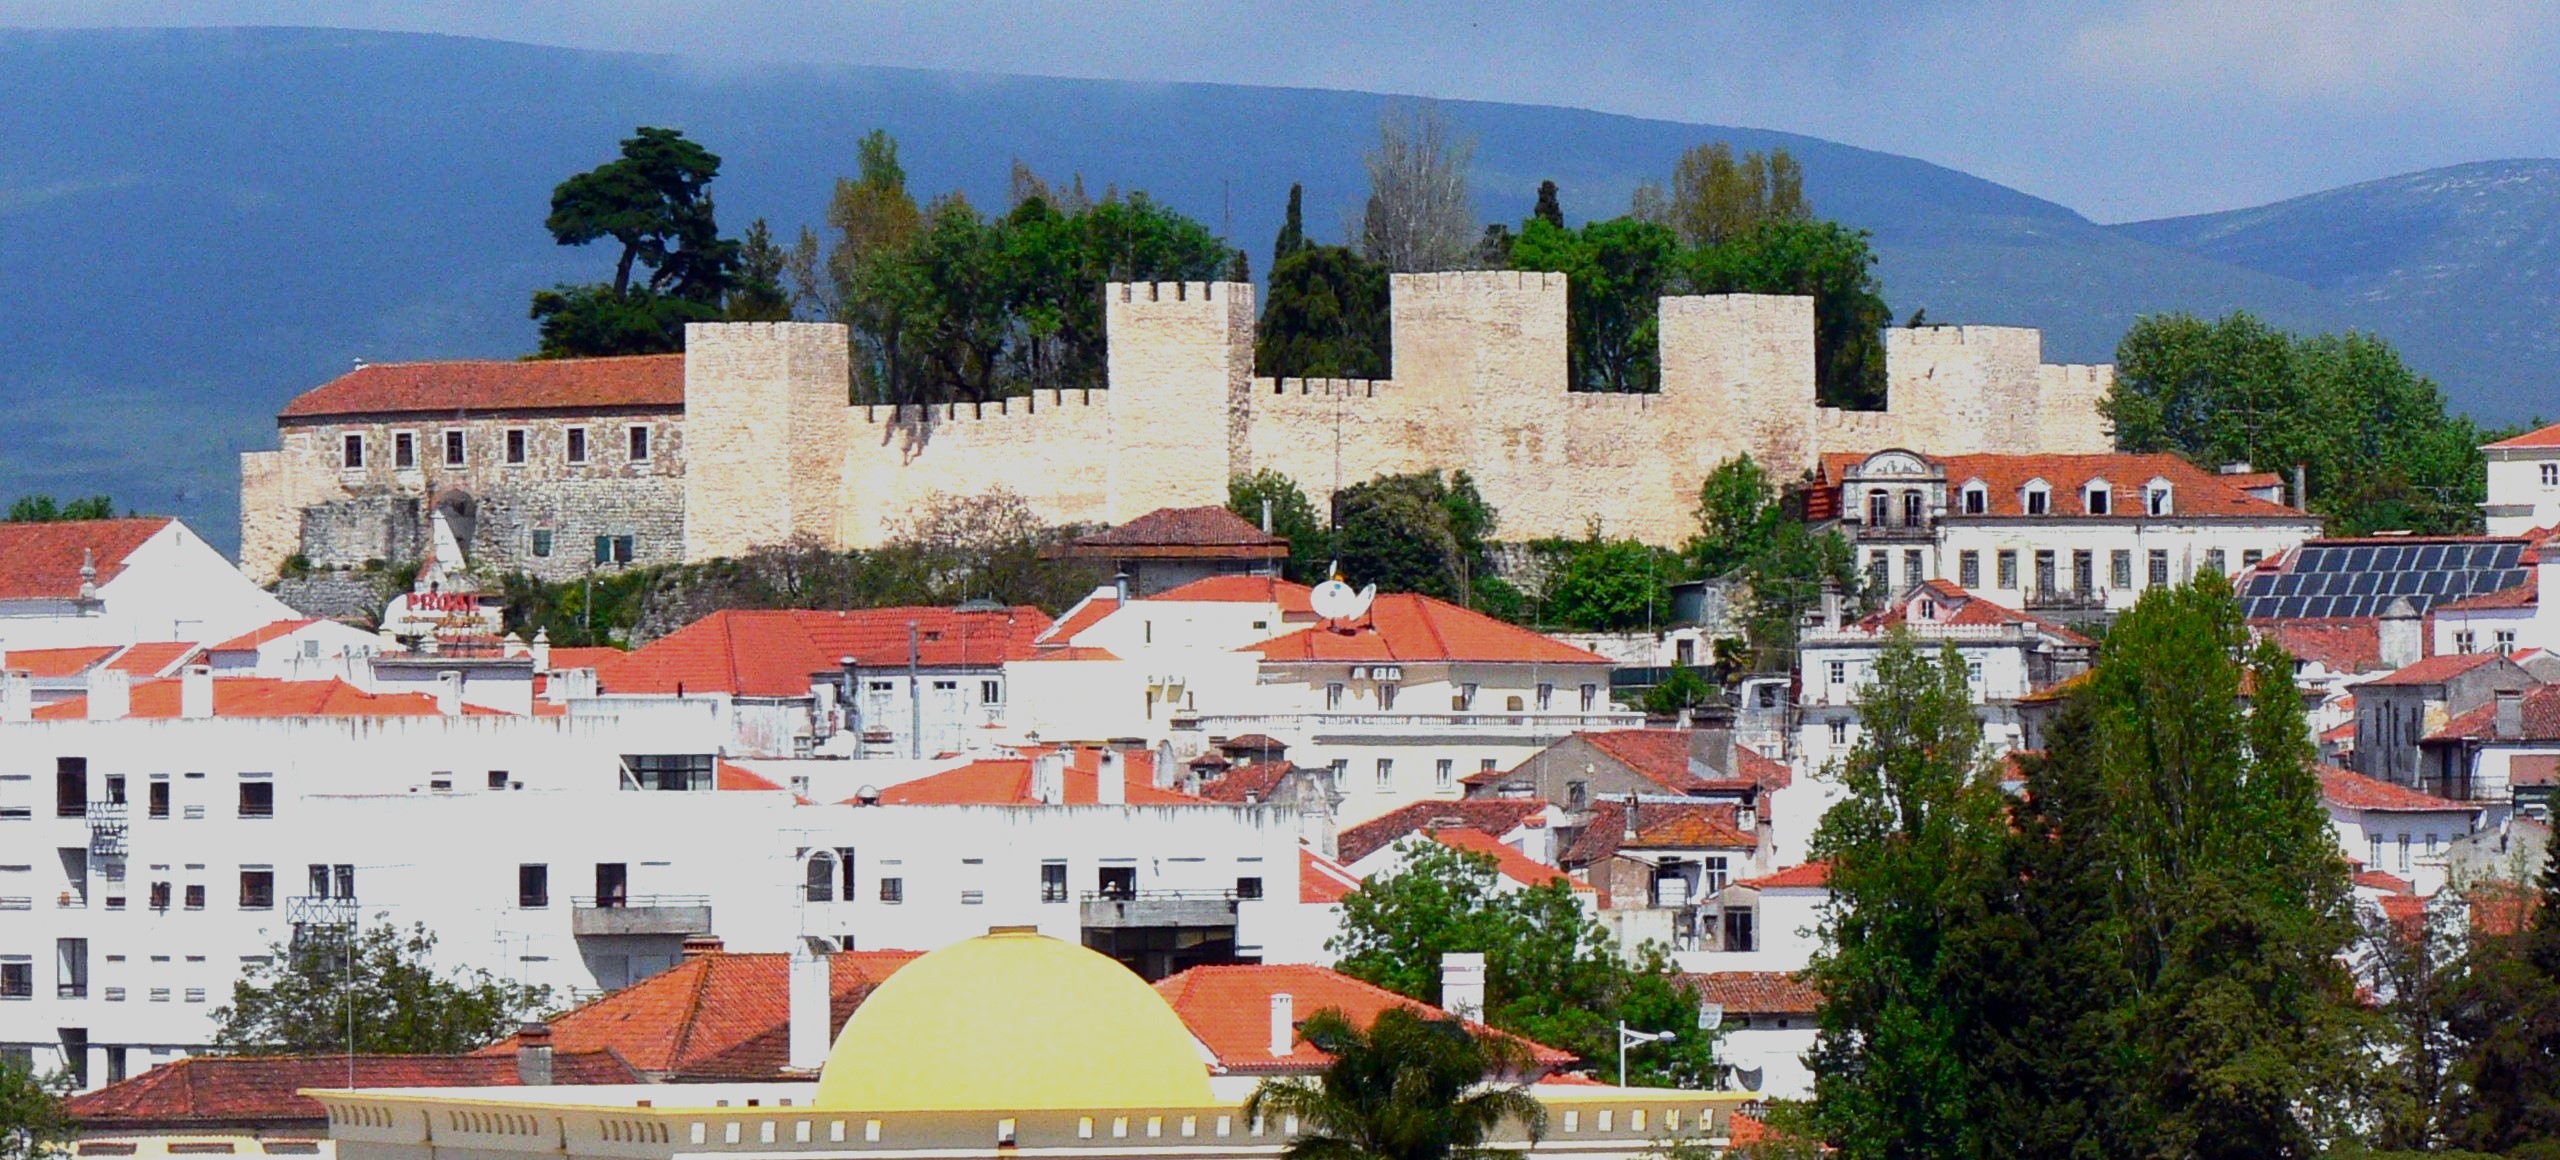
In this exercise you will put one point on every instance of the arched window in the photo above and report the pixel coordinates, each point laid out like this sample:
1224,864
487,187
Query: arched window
2551,475
1911,509
1878,507
822,876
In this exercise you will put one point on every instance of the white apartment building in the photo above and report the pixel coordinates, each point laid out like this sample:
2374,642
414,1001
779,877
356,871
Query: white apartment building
2523,483
2052,533
1402,702
2007,656
157,840
119,582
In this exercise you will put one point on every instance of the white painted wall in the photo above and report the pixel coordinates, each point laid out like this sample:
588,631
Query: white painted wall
173,586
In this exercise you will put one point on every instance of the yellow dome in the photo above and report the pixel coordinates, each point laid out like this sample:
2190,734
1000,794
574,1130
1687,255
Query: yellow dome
1013,1021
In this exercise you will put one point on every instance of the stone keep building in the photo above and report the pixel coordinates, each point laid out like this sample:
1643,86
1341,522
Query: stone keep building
753,441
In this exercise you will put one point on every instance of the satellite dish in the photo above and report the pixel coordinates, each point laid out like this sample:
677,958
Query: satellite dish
1710,1016
1334,600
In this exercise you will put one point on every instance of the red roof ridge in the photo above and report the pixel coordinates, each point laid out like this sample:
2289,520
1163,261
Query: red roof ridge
1798,876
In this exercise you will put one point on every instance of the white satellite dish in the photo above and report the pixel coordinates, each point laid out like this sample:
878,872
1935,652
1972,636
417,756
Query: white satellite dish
1334,600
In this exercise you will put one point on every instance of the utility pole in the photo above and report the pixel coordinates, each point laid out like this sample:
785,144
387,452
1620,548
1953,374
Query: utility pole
915,697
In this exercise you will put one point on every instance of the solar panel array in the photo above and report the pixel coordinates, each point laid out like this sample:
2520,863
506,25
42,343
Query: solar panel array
2329,580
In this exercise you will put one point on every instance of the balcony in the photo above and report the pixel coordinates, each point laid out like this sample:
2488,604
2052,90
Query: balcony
2063,600
1889,533
1121,909
611,916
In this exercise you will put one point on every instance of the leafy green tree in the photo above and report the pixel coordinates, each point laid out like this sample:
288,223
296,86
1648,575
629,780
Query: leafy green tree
855,279
2503,1011
1326,316
1715,199
1601,585
1914,834
1738,517
1415,533
757,294
44,509
1830,263
1292,516
32,1120
1747,531
655,202
1683,689
384,979
1408,1088
1616,273
1552,974
2373,437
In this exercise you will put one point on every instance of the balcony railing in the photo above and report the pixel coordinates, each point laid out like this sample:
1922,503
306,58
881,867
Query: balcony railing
1526,723
639,914
1917,533
76,990
2065,600
1143,908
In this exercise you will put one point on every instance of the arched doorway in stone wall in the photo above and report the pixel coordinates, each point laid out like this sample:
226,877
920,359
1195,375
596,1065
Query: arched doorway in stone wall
462,514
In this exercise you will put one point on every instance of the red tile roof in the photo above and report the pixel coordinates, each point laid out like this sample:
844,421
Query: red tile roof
2344,646
1659,825
265,697
652,382
1508,862
1228,1009
55,662
1959,607
1292,598
1744,1130
41,561
1756,992
153,658
2377,880
773,653
1492,816
206,1091
1809,875
1255,781
1407,628
2525,595
1323,881
1071,652
713,1016
2193,490
1756,766
2541,719
2435,670
1006,781
261,635
739,779
2539,437
1183,533
1662,757
1086,613
587,657
2355,791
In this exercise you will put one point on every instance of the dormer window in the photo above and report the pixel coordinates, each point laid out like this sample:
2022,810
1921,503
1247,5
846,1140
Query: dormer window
2037,498
2099,496
2156,497
1928,609
1977,498
1878,506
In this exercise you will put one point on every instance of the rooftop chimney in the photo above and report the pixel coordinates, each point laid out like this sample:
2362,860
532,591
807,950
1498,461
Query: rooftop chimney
2402,635
1049,778
195,691
2510,715
811,1000
542,650
449,692
17,697
697,945
110,694
1284,1023
1110,779
1120,587
1830,604
1462,985
533,1055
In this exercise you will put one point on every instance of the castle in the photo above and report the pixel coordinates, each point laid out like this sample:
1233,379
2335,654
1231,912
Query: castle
747,439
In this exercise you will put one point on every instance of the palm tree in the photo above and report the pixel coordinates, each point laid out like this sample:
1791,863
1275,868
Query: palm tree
1410,1088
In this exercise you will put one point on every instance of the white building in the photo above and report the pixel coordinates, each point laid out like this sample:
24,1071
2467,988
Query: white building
2523,483
2053,533
121,582
195,823
1767,1014
1402,703
2007,656
2394,829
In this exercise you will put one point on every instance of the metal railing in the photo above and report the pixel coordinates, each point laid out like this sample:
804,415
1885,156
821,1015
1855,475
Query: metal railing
636,901
1159,896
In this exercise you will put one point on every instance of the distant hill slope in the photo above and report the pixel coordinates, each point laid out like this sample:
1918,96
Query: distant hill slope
197,225
2459,266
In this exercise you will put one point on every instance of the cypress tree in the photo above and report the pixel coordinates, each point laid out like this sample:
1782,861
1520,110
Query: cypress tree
1293,233
1548,210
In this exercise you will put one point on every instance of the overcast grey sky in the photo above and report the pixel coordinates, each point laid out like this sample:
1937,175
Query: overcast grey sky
2135,109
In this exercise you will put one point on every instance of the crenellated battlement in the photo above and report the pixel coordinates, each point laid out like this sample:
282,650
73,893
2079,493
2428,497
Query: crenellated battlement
1024,405
1177,291
1348,388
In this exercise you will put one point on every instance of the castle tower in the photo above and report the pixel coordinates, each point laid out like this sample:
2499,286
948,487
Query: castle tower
1485,350
765,432
1737,376
1181,374
1973,387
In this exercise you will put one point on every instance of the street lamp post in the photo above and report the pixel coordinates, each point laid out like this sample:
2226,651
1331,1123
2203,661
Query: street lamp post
1630,1037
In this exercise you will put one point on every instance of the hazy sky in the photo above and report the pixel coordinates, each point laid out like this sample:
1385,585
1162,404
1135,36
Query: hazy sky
2125,110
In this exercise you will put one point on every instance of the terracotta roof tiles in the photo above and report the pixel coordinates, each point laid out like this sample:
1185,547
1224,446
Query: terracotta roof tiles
2434,670
2194,492
1508,862
1323,881
1292,598
1228,1009
1659,825
261,635
713,1016
1809,875
56,662
264,697
647,382
1756,992
206,1091
2538,437
2539,710
1492,816
2355,791
1183,533
157,658
2342,645
1402,627
41,561
774,653
1006,781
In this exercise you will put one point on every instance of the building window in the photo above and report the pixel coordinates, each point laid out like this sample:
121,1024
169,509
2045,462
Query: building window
1444,772
2463,641
1386,774
353,454
195,896
893,890
515,445
1977,499
453,448
2038,500
1117,882
1577,794
541,542
2099,496
157,799
533,886
159,896
1877,506
1836,672
818,877
257,799
497,779
1053,882
1913,566
1880,570
18,979
2505,639
2376,860
1466,697
1387,696
577,444
2159,567
404,451
2213,561
1973,673
257,890
2120,569
1969,569
2404,851
2551,475
1913,510
1590,698
1333,695
2008,564
2249,557
1248,889
2044,570
2084,571
2157,495
639,445
1547,694
615,549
